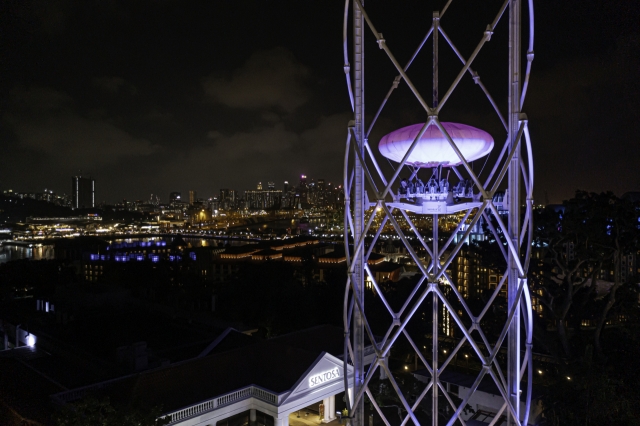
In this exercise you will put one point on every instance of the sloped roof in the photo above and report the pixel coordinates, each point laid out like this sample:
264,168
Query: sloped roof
270,365
24,391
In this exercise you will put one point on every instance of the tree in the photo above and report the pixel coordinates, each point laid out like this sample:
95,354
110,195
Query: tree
92,411
589,393
577,245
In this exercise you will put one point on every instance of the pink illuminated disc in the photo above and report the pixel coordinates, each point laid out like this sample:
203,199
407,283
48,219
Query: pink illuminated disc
433,149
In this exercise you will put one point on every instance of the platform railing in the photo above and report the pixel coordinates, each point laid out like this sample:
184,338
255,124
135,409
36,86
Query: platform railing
221,401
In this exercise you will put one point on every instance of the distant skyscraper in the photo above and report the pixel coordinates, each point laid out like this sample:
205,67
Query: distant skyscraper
192,197
259,188
271,185
261,199
303,189
83,192
286,186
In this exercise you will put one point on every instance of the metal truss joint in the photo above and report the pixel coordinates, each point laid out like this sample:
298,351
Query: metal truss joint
523,117
396,81
488,33
530,56
476,77
381,41
347,68
396,321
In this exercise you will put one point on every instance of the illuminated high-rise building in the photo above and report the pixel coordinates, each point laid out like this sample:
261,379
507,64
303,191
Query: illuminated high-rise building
83,192
174,197
303,189
261,199
192,197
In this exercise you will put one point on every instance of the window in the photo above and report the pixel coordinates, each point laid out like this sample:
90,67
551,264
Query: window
453,389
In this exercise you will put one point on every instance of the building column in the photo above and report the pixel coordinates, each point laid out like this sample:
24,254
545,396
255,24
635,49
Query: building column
383,372
281,421
329,409
252,417
351,398
332,407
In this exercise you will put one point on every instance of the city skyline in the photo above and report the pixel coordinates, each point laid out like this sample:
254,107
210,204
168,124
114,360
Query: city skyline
176,194
151,98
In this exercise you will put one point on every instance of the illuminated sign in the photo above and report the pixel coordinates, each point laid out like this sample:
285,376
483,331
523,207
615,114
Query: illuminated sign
325,376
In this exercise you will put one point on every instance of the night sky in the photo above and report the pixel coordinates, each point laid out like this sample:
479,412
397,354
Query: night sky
159,96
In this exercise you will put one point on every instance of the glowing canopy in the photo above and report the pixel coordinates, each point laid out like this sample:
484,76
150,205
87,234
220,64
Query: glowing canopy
433,149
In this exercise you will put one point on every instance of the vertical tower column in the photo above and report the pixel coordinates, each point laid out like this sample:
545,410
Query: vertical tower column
513,367
358,213
436,259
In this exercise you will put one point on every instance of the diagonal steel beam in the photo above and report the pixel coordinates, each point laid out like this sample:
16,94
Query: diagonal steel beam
383,45
475,76
460,156
406,156
486,37
465,400
403,400
505,167
455,232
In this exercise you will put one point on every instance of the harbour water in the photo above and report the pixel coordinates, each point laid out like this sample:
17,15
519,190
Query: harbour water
8,253
40,252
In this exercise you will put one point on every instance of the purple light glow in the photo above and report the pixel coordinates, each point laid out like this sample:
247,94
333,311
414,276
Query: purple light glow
433,149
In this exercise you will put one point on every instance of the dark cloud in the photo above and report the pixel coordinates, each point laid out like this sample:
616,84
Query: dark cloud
45,121
114,85
161,96
584,124
51,14
267,153
269,78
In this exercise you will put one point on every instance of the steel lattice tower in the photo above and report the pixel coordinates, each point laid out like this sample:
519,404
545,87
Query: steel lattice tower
368,188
